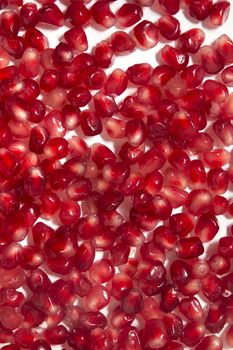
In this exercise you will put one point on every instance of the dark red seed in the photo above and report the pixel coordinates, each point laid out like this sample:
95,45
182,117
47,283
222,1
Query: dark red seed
219,12
102,14
77,14
146,34
174,57
51,14
128,14
200,9
169,27
172,7
122,43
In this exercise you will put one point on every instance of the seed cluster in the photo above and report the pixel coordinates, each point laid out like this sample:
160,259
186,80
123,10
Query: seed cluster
150,207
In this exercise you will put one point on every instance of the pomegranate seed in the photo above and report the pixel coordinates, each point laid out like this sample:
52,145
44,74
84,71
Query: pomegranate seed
146,34
211,60
191,308
191,40
56,335
155,334
220,205
51,14
169,27
217,158
200,143
216,318
36,39
122,43
56,98
226,75
180,272
196,174
97,298
174,57
210,342
9,22
102,14
219,13
103,54
193,333
128,14
29,15
117,82
193,75
224,47
218,180
200,9
169,298
212,287
164,237
77,14
76,39
10,317
189,248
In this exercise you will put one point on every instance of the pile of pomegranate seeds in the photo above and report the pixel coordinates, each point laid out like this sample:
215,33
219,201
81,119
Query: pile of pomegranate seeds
115,244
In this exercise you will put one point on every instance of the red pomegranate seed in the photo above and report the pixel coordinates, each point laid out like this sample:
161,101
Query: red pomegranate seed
212,287
174,57
224,47
169,27
103,54
77,14
227,75
206,227
211,60
200,9
132,301
36,39
193,333
219,264
162,74
128,14
189,248
116,83
171,7
122,43
191,308
216,318
169,298
219,13
155,334
139,73
29,15
191,40
56,335
218,180
217,158
180,272
211,342
102,14
10,317
9,22
196,174
97,298
146,34
193,75
51,14
76,39
225,246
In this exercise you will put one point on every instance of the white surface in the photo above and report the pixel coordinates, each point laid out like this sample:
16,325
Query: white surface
140,56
